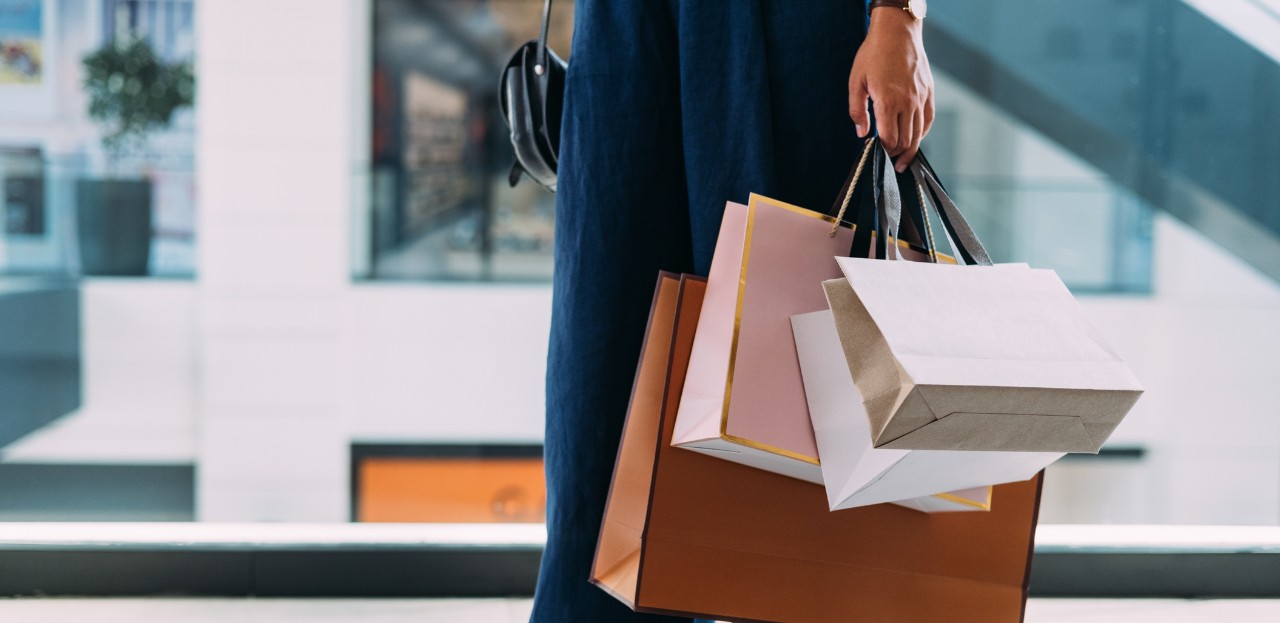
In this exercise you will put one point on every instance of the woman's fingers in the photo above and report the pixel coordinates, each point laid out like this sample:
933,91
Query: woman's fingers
911,125
928,115
858,103
917,134
902,126
887,125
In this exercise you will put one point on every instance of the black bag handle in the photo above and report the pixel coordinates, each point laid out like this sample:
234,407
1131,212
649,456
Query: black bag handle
964,239
541,67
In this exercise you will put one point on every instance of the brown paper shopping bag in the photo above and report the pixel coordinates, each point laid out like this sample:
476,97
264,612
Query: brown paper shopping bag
687,534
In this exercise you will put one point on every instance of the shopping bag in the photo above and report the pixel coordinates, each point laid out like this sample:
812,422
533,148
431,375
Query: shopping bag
744,398
952,357
854,472
687,534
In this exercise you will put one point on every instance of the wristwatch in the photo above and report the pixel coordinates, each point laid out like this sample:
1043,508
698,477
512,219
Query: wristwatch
915,8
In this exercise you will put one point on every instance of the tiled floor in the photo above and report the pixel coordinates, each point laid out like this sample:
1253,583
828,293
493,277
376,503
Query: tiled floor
66,610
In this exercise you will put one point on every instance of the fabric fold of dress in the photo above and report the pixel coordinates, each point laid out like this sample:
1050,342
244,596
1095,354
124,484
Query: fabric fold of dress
671,108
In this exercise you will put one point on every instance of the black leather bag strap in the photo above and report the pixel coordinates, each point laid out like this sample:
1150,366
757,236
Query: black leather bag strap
865,225
541,67
877,205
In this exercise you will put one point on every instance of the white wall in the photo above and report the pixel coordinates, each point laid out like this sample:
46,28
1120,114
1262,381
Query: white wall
138,365
273,160
295,361
448,363
1205,346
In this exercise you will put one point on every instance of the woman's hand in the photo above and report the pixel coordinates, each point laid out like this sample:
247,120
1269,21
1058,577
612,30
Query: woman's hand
892,70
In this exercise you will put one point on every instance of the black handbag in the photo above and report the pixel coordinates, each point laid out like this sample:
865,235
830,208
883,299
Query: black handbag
531,93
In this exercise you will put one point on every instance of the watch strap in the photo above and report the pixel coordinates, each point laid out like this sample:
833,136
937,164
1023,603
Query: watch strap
915,8
901,5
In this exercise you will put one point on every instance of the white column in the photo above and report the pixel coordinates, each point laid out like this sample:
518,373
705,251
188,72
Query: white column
274,157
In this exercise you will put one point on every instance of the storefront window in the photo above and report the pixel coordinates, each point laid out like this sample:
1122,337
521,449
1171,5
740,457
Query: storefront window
442,208
97,135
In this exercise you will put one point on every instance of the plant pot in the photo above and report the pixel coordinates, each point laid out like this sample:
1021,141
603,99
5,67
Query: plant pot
113,225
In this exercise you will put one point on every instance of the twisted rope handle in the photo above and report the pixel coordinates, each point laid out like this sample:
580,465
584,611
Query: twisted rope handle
857,173
928,227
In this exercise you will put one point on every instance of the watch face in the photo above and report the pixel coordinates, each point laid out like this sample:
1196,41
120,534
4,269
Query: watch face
918,8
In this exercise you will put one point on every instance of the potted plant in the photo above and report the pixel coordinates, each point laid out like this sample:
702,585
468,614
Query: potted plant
131,93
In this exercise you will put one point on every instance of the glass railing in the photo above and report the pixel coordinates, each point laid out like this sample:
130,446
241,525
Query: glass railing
1161,98
67,216
469,225
1095,235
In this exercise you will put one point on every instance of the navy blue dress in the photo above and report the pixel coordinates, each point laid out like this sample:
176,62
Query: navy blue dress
672,108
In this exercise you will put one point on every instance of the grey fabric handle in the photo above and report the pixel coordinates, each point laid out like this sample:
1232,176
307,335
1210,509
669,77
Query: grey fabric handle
957,226
890,203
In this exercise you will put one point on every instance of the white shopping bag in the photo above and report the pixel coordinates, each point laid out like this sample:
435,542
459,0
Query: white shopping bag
976,358
857,474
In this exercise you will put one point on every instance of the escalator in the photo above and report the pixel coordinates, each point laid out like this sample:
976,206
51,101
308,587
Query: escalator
1166,101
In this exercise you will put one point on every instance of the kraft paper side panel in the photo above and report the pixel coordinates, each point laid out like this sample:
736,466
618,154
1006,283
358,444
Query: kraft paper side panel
839,420
702,402
1009,418
1096,405
627,504
1000,432
758,518
788,257
868,356
978,371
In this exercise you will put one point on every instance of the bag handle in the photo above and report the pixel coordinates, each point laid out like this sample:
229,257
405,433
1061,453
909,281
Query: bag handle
930,245
840,207
890,207
541,66
887,212
964,239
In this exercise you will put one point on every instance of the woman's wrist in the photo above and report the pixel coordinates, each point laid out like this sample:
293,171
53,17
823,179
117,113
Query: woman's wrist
894,22
891,72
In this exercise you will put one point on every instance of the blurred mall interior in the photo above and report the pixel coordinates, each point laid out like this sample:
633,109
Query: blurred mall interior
320,306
